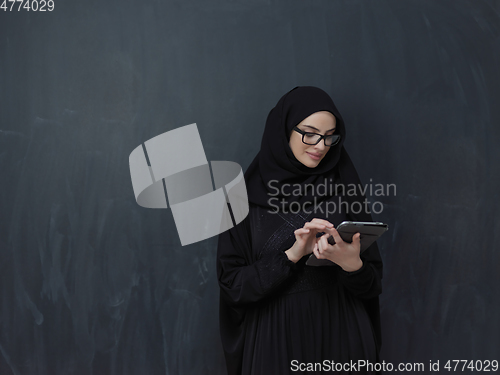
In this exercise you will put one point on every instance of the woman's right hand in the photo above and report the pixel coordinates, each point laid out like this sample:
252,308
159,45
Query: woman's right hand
305,238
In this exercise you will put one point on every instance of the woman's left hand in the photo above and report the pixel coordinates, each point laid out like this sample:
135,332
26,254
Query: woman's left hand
345,254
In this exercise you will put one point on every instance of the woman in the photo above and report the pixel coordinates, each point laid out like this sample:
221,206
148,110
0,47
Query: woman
278,314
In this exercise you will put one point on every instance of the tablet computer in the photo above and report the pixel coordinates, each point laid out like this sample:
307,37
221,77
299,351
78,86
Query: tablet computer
369,231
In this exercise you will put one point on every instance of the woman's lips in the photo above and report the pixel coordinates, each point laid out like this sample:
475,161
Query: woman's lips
313,156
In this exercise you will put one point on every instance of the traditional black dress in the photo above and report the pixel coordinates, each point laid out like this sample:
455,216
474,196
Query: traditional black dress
277,316
273,311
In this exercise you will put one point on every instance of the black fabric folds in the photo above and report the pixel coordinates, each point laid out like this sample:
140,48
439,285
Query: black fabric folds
262,291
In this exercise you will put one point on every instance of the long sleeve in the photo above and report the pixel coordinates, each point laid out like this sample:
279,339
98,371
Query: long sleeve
366,282
243,279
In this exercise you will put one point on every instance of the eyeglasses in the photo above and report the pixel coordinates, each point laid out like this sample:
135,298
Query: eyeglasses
314,138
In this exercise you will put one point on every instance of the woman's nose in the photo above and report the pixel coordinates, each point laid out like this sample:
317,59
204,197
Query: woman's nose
321,145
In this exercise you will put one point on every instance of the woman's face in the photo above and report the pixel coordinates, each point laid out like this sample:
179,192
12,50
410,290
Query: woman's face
322,122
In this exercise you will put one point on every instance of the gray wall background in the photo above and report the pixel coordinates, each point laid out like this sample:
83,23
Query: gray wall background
91,283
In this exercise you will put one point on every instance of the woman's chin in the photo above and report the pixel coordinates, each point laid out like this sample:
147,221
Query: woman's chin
310,163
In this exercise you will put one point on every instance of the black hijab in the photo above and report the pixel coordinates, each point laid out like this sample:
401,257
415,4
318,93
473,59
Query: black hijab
276,165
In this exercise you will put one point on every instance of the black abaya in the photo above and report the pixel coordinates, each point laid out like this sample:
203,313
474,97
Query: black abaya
273,311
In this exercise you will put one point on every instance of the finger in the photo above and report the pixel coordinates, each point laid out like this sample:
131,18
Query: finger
323,243
356,238
336,236
316,251
301,231
356,241
322,221
317,226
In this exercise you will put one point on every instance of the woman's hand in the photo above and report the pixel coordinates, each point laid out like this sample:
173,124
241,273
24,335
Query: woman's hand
305,238
345,254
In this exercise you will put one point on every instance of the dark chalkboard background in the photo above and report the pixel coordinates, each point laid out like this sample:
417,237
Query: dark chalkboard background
91,283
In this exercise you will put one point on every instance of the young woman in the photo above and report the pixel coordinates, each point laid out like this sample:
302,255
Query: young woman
277,314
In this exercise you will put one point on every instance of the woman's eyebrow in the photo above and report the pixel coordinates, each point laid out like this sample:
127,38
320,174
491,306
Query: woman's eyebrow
310,126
